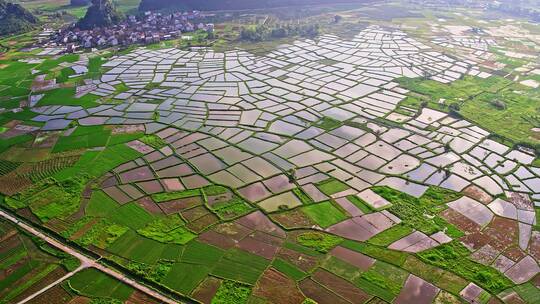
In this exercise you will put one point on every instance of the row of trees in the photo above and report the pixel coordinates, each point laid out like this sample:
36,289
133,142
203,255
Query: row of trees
264,32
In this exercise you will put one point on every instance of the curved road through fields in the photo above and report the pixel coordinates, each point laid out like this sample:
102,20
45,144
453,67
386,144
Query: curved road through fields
85,263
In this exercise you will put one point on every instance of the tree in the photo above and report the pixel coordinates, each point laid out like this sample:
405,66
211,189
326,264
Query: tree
499,104
250,33
454,107
279,32
426,74
263,32
454,110
447,147
291,174
337,18
255,33
310,30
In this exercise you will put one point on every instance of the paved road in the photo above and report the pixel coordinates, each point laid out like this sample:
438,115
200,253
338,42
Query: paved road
85,263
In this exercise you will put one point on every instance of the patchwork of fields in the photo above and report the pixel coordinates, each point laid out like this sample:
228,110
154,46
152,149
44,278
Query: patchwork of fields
326,171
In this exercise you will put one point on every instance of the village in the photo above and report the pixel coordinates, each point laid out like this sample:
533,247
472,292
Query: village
151,27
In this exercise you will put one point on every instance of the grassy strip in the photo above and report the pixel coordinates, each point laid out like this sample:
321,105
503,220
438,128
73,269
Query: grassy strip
360,204
391,235
167,196
302,196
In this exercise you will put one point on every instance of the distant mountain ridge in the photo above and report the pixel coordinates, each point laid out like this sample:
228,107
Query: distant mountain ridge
213,5
101,13
15,18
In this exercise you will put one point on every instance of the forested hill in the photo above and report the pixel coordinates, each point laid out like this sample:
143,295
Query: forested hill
101,13
211,5
14,18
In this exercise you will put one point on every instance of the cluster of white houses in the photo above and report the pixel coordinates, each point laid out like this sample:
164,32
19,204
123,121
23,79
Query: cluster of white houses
150,28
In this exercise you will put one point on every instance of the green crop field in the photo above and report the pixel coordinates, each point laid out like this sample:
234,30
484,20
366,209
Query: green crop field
240,266
332,186
93,283
200,253
185,277
288,269
132,216
341,268
100,205
325,214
